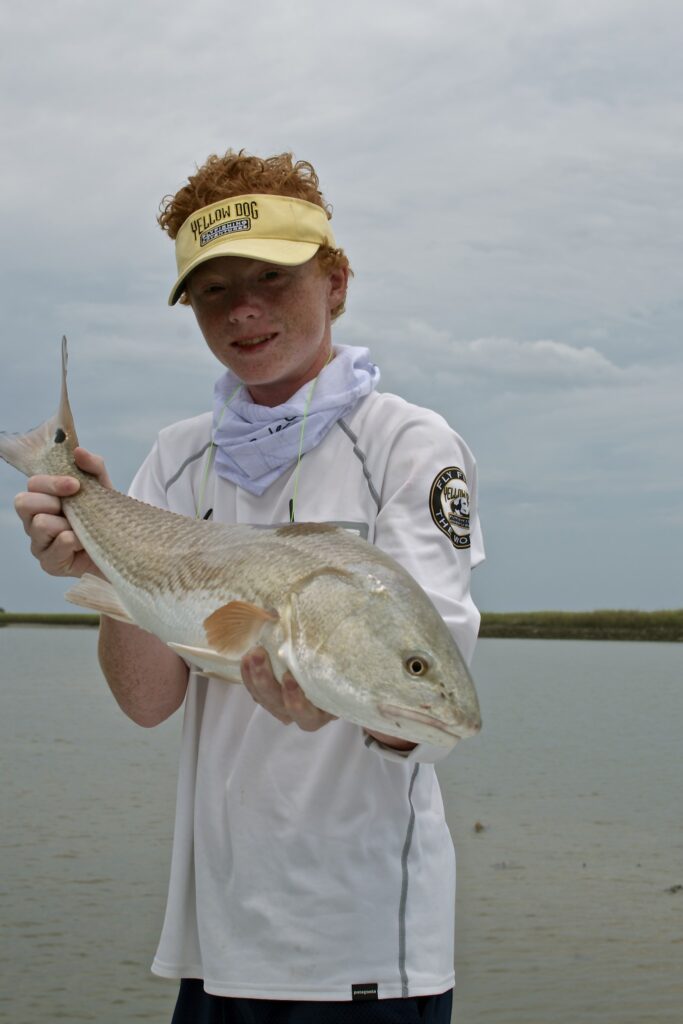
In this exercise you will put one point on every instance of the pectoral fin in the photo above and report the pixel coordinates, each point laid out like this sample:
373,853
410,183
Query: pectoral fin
98,595
209,663
235,627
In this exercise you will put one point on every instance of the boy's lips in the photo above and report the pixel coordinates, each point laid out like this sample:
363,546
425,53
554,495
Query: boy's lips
256,341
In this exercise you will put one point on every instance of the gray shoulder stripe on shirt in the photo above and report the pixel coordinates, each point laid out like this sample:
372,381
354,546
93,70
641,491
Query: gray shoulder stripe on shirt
186,463
404,890
363,461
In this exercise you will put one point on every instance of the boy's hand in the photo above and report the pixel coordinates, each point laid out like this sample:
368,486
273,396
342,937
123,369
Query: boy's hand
53,542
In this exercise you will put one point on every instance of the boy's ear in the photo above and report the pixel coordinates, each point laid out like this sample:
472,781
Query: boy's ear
339,281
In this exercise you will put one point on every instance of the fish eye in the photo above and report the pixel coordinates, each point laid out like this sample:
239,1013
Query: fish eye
416,664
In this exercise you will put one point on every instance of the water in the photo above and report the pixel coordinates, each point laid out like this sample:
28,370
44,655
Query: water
564,912
87,808
564,909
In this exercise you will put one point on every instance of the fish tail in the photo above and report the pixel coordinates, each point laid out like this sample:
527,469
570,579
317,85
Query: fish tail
29,452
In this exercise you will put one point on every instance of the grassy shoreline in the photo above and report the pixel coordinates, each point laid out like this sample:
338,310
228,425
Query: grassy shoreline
660,626
48,619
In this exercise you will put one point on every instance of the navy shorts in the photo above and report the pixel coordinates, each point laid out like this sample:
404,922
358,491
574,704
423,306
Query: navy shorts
194,1006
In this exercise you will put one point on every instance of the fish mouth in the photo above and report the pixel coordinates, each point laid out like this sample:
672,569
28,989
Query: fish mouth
458,730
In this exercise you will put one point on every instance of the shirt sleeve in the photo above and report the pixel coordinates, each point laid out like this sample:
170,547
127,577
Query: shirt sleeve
148,483
428,521
168,475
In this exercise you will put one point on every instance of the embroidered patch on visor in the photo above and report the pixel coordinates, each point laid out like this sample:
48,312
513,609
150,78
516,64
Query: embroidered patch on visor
449,504
227,228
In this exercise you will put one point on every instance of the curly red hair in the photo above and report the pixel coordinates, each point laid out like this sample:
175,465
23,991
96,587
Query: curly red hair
238,174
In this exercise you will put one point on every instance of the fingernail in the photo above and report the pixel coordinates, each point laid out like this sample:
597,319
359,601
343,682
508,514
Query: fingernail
257,660
289,682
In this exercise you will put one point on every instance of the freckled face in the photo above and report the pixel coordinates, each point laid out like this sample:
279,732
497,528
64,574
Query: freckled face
269,324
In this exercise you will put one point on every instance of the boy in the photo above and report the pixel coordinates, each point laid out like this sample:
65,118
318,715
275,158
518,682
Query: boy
312,871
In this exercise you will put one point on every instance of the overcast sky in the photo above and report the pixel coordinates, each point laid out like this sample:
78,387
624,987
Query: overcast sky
506,179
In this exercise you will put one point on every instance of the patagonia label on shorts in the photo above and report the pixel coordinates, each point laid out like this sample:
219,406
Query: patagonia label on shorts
367,991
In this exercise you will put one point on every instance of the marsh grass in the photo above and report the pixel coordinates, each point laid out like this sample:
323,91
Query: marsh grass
48,619
666,626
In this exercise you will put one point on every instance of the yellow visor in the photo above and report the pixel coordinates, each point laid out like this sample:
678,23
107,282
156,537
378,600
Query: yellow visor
275,229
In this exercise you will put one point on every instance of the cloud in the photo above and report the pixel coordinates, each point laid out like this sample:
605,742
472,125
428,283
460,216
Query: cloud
505,178
553,363
419,348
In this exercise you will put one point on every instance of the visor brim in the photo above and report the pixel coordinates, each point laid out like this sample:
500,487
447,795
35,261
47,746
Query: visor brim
268,250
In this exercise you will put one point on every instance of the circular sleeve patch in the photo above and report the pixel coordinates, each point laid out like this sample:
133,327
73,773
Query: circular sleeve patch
449,504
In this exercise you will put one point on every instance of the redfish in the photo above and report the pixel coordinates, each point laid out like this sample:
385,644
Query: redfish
353,627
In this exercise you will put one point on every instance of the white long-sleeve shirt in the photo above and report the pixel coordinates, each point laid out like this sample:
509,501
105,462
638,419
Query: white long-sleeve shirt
306,863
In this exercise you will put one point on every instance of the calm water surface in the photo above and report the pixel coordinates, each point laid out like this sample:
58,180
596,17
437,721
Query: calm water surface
564,905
